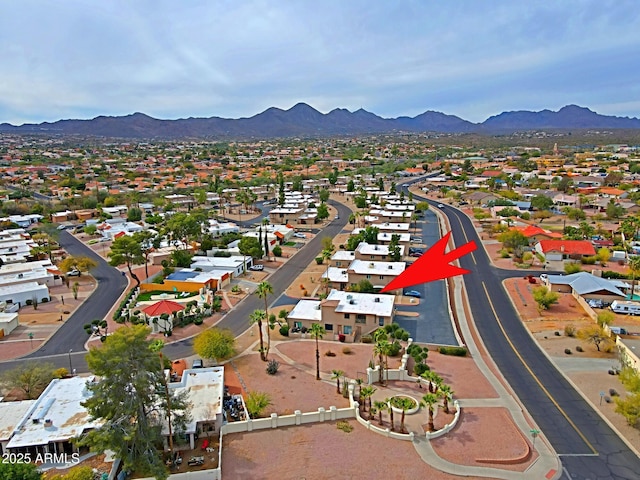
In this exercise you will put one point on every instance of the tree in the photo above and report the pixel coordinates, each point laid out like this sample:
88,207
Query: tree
126,250
541,202
394,248
634,266
256,318
323,211
256,402
595,334
629,408
250,247
317,331
614,210
182,227
544,297
323,195
380,406
263,291
30,377
365,394
381,348
422,206
390,410
19,471
337,375
446,393
513,239
403,404
130,401
76,473
134,214
428,401
542,215
364,286
80,263
145,238
181,258
215,344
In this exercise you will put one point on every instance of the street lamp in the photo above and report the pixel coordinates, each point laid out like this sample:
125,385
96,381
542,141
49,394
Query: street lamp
70,366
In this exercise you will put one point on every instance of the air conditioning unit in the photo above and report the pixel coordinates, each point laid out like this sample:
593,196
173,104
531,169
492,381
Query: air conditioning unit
352,301
390,267
377,300
371,265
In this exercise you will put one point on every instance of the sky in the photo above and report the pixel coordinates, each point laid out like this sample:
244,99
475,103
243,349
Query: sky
233,58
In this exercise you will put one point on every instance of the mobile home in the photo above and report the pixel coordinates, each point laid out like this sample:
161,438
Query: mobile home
630,308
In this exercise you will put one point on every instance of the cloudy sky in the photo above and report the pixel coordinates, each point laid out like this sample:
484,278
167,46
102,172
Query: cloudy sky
234,58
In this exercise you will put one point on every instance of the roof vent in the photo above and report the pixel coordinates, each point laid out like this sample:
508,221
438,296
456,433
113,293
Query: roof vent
390,267
377,300
349,297
352,301
371,265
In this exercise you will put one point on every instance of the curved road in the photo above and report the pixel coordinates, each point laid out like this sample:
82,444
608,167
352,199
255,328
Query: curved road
588,447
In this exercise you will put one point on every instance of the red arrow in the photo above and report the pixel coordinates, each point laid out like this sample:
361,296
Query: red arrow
432,265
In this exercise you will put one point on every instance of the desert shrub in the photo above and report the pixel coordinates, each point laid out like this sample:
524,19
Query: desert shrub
366,339
504,254
272,367
329,353
589,260
570,330
319,260
456,351
277,251
344,426
571,267
606,318
284,330
579,349
60,372
347,350
567,351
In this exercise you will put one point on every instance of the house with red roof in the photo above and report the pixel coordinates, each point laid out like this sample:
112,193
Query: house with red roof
535,233
558,250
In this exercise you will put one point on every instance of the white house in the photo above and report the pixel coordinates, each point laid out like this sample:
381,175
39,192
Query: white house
11,413
21,292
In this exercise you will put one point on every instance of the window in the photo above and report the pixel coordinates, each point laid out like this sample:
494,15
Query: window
328,327
346,315
360,318
347,329
368,277
297,324
338,264
381,277
381,321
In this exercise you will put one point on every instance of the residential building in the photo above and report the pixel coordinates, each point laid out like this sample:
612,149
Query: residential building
557,250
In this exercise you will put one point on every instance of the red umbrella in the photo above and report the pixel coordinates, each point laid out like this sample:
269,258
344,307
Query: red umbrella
163,306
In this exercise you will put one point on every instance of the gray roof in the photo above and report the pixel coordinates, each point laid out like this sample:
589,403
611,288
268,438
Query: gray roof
584,283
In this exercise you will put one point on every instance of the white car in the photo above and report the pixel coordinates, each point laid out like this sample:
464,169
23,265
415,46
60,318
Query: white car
256,268
440,205
73,273
299,235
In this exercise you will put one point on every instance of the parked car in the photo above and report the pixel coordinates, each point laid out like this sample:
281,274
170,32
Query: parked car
416,253
256,268
299,235
416,239
595,303
73,273
412,293
440,205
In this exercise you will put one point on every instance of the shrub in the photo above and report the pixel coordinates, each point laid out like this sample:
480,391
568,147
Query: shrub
589,260
420,368
456,351
567,351
284,330
344,426
570,268
366,339
579,349
394,349
329,353
347,350
319,260
272,367
570,330
556,333
613,392
504,254
198,321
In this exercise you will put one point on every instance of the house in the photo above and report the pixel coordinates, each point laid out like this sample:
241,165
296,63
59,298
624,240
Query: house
8,323
379,253
342,259
588,286
557,250
345,313
11,413
235,265
283,215
220,228
56,417
535,233
22,293
378,273
564,200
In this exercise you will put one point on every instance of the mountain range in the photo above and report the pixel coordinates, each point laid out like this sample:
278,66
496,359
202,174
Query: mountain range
302,120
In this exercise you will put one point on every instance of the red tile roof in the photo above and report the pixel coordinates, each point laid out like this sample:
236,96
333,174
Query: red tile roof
532,230
569,247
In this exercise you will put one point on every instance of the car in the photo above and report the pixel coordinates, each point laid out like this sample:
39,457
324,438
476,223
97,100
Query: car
412,293
73,273
415,254
416,239
299,235
440,205
197,363
256,268
337,217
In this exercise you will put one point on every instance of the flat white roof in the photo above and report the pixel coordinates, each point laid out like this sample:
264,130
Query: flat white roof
336,274
365,267
22,287
60,403
366,249
34,275
204,387
10,415
24,267
343,255
233,261
306,310
362,303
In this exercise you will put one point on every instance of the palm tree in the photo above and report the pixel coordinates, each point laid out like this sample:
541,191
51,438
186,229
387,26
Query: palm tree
446,393
359,382
257,317
634,266
387,401
381,346
380,406
317,331
367,392
404,404
336,374
429,400
263,291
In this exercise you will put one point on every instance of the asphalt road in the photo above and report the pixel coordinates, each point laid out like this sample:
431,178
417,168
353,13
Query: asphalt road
588,448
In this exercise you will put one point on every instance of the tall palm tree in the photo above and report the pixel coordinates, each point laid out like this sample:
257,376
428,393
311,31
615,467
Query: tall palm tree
263,291
367,392
359,382
390,410
256,318
634,266
317,331
335,375
381,346
380,406
404,404
446,393
429,400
